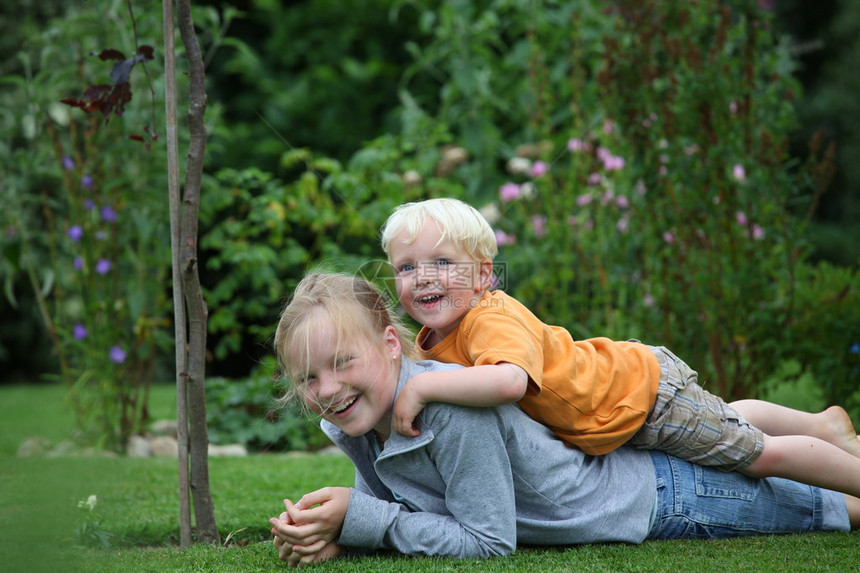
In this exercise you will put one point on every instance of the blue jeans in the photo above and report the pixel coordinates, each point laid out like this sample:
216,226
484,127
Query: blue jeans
703,503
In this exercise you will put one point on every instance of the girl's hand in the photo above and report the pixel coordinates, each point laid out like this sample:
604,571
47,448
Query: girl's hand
329,551
313,522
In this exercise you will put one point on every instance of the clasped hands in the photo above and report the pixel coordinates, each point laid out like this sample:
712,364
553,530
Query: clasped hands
305,532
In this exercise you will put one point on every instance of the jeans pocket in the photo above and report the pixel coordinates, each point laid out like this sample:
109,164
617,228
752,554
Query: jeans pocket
709,484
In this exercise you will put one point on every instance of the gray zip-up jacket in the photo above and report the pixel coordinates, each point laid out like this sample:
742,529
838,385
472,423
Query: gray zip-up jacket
479,480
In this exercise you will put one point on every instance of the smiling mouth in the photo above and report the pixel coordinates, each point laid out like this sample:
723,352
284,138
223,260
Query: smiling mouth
343,405
430,299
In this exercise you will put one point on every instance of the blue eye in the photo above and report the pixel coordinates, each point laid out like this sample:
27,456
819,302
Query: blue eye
406,268
443,262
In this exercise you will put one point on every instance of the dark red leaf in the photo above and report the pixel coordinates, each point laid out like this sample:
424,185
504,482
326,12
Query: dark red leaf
136,137
146,51
110,55
73,102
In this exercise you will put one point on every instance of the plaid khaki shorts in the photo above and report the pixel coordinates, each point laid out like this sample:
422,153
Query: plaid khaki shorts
691,423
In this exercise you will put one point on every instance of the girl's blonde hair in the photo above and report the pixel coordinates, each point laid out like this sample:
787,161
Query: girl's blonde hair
356,309
457,221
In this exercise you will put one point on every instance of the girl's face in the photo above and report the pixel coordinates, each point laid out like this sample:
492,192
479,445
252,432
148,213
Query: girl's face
437,283
352,386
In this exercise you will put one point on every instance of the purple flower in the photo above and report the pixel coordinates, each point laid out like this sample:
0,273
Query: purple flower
75,233
103,266
68,163
117,354
669,237
87,182
108,214
79,331
509,192
739,173
79,263
89,205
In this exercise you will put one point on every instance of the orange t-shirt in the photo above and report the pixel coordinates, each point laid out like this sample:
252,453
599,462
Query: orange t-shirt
594,394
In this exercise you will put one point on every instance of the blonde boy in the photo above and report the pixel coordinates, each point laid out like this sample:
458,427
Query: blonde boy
595,394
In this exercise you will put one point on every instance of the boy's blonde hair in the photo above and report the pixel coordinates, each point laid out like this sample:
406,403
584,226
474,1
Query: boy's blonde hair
458,222
356,309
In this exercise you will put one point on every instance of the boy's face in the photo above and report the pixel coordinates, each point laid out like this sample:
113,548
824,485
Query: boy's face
437,283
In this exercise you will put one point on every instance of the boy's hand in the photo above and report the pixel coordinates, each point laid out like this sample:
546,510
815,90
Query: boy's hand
406,408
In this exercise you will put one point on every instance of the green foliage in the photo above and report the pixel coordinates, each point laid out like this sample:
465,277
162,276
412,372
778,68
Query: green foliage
321,74
824,332
262,233
85,225
244,411
648,192
90,533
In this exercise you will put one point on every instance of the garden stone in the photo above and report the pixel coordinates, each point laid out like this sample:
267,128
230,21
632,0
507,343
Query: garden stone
137,447
228,451
35,446
165,446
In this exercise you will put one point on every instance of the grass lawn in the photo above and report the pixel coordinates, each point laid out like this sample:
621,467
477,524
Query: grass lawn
137,500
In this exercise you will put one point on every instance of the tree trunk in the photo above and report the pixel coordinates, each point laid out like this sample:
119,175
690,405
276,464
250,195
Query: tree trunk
191,346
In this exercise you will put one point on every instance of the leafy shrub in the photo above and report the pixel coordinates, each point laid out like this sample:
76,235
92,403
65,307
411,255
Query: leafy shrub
824,332
243,411
648,192
85,226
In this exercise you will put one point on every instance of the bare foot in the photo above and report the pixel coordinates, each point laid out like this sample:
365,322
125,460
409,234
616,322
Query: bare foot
836,428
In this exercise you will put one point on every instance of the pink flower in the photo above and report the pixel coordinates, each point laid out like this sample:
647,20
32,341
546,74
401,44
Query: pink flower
584,199
648,300
539,224
594,179
621,202
509,192
608,127
741,218
539,168
739,173
622,224
613,163
757,232
669,237
503,238
575,145
603,153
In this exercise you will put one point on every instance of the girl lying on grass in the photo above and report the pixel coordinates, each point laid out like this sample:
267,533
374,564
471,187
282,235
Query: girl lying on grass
478,481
